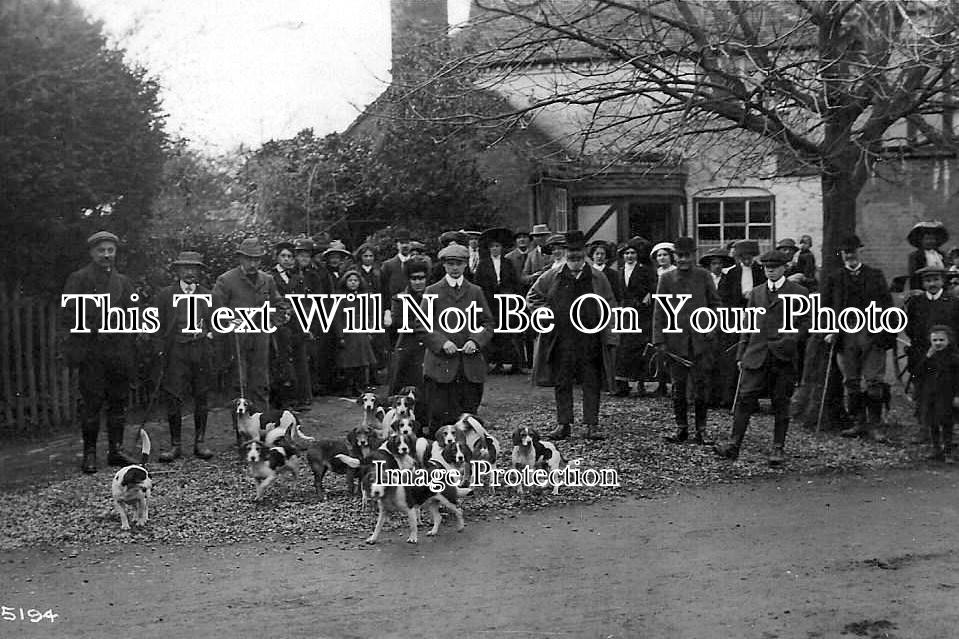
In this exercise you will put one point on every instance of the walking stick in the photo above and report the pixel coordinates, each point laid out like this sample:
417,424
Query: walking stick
239,366
825,386
739,383
156,391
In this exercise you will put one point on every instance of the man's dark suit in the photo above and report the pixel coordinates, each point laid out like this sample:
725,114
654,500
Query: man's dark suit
769,358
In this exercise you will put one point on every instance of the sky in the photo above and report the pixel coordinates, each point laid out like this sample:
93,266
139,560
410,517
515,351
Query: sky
247,71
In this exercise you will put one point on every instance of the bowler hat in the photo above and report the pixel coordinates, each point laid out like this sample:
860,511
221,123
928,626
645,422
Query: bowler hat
935,227
746,247
774,258
250,247
416,265
303,244
337,246
499,235
787,243
102,236
685,245
716,254
849,243
189,258
453,236
454,252
575,240
668,246
540,229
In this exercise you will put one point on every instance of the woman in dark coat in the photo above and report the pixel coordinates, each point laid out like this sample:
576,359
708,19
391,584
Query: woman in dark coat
495,275
407,363
365,260
354,352
636,284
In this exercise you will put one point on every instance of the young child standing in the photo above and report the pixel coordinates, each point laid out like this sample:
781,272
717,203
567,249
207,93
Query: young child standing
937,385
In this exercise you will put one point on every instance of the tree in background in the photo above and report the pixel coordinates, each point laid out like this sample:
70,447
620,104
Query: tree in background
829,86
81,141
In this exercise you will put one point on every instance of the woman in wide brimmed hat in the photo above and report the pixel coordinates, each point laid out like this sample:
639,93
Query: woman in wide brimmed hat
927,237
354,351
336,257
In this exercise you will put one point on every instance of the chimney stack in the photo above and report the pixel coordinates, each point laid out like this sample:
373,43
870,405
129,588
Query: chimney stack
419,30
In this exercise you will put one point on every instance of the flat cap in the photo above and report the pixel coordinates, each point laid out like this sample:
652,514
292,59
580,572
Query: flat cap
454,252
102,236
774,258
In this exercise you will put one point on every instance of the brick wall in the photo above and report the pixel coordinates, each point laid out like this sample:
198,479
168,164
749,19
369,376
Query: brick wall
899,195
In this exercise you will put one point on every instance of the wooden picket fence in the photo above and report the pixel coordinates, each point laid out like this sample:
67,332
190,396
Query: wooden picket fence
37,389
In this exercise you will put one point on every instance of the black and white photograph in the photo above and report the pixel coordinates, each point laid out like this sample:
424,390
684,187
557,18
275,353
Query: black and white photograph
479,318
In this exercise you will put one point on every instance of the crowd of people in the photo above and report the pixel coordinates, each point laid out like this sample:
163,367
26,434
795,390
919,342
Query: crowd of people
718,369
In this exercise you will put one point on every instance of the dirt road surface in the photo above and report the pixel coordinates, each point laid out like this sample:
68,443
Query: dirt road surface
872,556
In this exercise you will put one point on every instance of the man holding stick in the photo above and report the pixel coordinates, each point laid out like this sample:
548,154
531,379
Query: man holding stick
768,357
688,352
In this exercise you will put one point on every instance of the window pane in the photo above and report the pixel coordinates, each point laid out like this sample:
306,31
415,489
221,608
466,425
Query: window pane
708,212
709,234
760,232
737,232
735,211
760,211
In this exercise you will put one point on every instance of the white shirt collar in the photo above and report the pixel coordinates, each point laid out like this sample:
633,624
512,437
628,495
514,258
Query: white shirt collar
936,296
775,286
402,257
187,288
452,282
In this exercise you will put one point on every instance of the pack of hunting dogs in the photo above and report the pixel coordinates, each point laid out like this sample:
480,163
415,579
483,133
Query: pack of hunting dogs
388,437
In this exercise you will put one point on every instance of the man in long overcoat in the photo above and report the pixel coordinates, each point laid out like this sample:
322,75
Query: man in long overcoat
566,355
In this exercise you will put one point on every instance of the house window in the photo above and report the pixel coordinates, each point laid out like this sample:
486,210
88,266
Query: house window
720,221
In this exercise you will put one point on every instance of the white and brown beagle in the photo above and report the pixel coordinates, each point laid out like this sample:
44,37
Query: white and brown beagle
529,451
280,451
132,485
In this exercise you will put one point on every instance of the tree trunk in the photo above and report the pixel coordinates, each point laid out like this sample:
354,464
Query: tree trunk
840,188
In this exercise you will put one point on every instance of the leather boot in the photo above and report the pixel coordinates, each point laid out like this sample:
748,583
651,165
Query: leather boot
729,449
176,425
199,450
89,465
621,389
560,432
115,455
856,411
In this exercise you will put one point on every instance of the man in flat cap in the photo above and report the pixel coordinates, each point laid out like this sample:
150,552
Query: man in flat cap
688,353
517,257
105,361
768,357
566,355
246,286
537,258
861,356
454,368
187,357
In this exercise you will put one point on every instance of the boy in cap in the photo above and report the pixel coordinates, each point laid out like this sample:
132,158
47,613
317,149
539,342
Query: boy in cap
767,357
454,368
187,357
105,361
